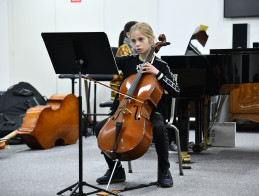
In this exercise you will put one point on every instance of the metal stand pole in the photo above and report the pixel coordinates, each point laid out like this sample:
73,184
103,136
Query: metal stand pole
79,185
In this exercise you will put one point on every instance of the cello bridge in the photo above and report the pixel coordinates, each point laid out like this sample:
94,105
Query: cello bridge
123,109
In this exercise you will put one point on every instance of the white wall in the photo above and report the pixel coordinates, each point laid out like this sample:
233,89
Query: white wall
4,46
30,62
23,56
178,20
117,13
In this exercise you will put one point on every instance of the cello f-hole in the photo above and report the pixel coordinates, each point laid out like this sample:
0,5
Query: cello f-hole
136,118
116,116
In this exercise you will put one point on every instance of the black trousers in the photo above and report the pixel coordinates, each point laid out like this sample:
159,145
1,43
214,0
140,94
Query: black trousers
160,138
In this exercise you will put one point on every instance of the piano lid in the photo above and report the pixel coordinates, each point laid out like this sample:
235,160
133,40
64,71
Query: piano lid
206,74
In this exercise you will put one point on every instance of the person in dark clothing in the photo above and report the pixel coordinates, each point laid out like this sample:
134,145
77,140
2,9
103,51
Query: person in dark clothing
141,35
125,48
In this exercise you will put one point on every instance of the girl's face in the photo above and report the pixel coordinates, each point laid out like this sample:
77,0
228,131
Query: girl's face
141,43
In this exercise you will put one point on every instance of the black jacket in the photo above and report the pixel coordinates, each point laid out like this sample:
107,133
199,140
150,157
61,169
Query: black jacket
130,64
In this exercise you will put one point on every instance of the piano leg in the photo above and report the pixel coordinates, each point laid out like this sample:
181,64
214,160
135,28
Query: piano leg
199,124
183,122
183,125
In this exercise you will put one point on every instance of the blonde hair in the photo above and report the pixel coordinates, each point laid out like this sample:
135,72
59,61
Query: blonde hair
143,28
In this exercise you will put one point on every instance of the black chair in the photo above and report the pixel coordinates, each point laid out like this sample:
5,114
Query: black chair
171,126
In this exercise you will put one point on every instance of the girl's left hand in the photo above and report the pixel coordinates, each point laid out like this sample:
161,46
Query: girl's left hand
148,68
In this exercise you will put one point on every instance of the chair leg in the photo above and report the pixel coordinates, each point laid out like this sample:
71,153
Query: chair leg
130,168
178,147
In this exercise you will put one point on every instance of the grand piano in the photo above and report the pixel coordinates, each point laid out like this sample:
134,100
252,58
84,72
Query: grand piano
203,76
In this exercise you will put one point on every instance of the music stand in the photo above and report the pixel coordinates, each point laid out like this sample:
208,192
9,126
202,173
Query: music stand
202,38
79,53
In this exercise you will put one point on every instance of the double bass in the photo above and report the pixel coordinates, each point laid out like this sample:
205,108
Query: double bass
127,134
44,126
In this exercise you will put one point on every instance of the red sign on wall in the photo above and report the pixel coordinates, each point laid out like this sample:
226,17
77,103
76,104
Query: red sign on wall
75,1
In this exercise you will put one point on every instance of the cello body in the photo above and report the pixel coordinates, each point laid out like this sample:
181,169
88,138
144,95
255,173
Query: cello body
135,134
56,123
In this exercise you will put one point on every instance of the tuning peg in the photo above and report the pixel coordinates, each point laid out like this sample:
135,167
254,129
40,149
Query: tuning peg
166,44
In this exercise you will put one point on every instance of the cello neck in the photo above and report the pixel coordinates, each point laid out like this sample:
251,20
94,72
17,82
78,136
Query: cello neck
154,48
138,77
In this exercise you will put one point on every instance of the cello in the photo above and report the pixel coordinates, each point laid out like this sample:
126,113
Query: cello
127,134
44,126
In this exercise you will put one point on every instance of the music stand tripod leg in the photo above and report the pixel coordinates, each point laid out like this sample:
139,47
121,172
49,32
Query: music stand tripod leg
70,188
80,184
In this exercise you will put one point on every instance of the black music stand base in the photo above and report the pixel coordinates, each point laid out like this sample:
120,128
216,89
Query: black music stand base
76,186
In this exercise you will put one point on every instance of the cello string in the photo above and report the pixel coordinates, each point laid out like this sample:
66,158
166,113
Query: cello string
138,76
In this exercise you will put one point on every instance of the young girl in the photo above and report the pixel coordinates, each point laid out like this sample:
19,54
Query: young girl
141,35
